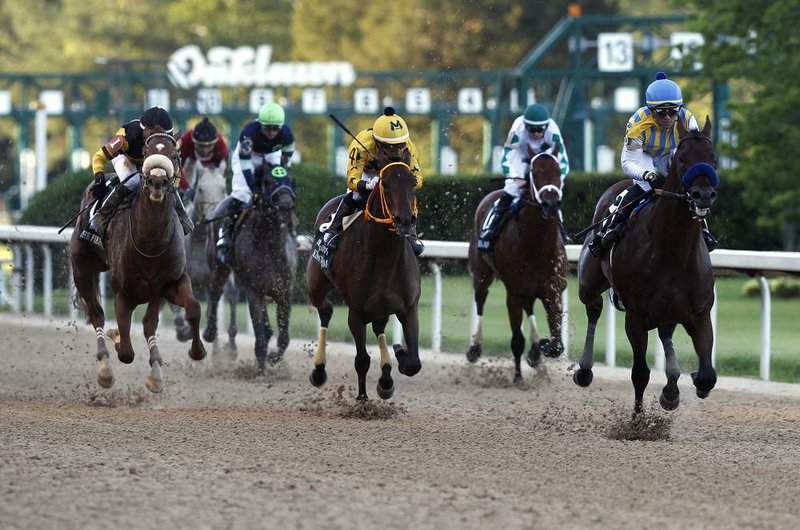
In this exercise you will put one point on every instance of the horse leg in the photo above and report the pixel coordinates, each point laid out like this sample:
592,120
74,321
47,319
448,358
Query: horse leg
181,294
232,297
591,285
408,362
183,331
154,382
122,335
359,331
318,288
87,287
283,309
640,373
514,307
385,383
218,278
555,313
258,315
670,395
480,285
538,345
702,333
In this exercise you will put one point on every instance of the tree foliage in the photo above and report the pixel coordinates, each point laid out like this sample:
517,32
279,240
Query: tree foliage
757,48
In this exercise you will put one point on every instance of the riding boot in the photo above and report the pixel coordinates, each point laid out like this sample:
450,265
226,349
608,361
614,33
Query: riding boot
492,231
225,235
333,234
95,231
614,226
711,241
183,216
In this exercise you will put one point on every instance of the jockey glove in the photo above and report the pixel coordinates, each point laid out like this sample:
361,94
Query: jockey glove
362,186
99,186
373,182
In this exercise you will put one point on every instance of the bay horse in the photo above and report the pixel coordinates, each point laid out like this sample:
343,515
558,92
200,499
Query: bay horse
265,263
529,258
377,274
208,187
660,271
146,257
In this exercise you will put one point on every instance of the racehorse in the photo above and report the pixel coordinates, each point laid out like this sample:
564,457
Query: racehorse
208,189
530,259
660,271
265,263
146,257
377,274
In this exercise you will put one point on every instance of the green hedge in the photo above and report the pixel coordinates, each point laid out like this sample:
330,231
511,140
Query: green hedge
447,204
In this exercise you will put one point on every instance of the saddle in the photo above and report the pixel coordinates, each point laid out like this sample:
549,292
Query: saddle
320,251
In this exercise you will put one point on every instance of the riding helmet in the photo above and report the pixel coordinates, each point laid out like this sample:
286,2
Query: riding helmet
663,92
390,128
536,114
271,114
204,132
156,117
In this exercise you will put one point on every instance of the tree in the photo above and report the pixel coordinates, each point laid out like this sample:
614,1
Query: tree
756,48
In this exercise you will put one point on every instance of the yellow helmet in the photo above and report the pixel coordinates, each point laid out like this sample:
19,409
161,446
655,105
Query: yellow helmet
390,128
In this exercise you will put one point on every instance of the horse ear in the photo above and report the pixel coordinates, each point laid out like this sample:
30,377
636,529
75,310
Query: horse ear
707,127
681,128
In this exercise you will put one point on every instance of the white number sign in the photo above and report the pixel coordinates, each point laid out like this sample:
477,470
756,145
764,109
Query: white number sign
157,97
615,52
209,101
315,101
418,100
258,97
470,100
365,100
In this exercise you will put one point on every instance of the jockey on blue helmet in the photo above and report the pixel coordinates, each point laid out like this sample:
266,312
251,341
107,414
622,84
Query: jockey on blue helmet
663,92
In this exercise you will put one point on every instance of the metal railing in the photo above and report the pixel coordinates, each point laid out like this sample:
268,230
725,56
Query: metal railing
23,240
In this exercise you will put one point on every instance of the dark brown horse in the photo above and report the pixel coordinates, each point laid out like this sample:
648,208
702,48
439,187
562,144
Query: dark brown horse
530,259
265,263
377,274
145,255
660,271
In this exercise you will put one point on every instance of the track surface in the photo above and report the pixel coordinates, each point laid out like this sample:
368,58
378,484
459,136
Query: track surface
457,447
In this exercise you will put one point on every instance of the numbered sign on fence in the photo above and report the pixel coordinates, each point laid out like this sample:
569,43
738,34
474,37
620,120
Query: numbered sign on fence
209,101
157,97
418,100
259,96
366,100
470,100
315,101
615,52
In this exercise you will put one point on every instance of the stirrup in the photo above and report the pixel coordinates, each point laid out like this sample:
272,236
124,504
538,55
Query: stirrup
187,225
710,240
596,245
417,246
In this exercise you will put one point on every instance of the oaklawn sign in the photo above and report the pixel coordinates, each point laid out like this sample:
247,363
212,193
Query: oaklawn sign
248,66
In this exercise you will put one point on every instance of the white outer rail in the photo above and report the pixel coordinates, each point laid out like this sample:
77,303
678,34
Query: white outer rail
751,262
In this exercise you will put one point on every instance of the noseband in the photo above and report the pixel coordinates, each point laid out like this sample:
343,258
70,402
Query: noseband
536,193
174,143
386,214
694,171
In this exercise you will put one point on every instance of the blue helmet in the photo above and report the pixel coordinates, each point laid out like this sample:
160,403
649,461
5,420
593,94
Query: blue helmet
662,91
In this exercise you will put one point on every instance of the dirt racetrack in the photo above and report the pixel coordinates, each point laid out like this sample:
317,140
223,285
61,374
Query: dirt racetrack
457,447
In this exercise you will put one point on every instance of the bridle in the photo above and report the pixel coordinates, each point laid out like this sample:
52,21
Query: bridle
386,214
695,170
536,193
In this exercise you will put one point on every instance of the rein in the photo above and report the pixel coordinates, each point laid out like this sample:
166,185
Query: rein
536,193
387,217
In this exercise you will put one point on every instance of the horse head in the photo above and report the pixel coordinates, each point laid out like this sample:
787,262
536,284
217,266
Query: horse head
160,161
277,192
396,193
694,164
545,184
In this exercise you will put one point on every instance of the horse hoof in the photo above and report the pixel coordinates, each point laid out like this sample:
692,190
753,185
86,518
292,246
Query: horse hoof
669,404
702,394
183,333
318,376
534,358
385,384
154,385
362,398
474,353
517,379
197,354
545,347
703,387
105,378
126,358
274,357
209,335
582,377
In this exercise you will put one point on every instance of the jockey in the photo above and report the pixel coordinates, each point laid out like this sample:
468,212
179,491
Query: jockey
125,150
532,133
389,135
650,142
265,138
201,147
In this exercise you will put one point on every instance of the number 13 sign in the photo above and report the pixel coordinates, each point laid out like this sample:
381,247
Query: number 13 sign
615,52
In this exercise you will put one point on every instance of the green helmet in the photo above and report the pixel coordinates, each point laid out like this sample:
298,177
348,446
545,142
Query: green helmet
536,114
271,114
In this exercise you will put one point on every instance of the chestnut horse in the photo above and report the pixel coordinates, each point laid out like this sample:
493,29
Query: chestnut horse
529,258
265,264
377,274
660,271
145,255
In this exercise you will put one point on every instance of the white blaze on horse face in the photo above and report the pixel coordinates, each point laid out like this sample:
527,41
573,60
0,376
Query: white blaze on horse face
160,147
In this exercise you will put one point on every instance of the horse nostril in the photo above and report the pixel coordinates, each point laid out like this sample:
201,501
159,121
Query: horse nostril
696,195
713,196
